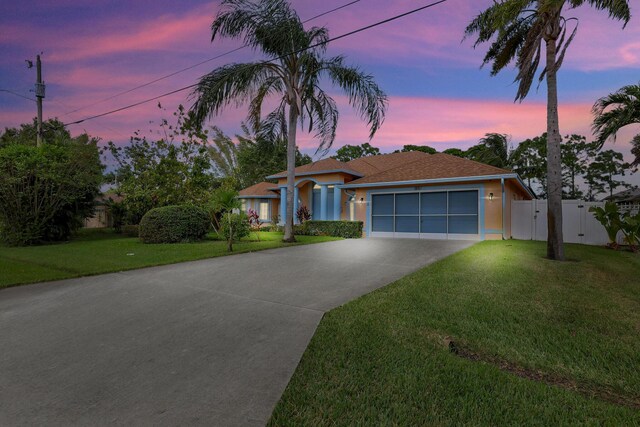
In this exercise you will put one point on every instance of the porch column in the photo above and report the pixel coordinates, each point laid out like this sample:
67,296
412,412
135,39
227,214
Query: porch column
337,203
295,203
323,202
283,205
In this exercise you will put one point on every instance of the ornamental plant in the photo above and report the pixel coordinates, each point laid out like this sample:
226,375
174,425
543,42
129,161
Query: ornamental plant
630,226
254,222
233,227
609,217
303,214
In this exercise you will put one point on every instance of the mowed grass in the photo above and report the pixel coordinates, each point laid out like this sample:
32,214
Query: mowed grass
102,251
494,335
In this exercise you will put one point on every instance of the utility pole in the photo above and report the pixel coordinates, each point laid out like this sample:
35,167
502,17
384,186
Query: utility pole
39,96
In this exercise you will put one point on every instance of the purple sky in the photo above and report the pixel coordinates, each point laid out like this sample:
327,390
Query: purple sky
438,95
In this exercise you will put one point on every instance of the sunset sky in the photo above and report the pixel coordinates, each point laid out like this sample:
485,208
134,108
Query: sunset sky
438,95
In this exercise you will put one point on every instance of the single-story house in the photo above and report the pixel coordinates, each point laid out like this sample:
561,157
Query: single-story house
626,197
408,194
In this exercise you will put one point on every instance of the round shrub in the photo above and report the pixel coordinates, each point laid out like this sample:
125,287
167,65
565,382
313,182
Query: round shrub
173,224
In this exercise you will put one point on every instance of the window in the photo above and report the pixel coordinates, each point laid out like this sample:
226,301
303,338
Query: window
264,211
243,206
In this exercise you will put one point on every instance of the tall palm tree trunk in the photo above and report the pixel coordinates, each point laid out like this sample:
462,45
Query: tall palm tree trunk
555,247
291,166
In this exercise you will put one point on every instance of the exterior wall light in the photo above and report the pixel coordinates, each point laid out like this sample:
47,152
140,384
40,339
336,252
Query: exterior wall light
490,196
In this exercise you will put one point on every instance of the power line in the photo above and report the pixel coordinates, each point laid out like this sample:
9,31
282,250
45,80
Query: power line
17,94
182,70
350,33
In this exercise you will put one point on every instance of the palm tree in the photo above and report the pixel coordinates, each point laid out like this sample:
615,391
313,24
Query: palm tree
223,153
615,111
293,74
517,29
493,149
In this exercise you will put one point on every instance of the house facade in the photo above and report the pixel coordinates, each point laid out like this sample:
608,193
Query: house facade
404,195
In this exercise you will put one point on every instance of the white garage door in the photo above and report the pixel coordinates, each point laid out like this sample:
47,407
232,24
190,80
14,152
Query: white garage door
429,215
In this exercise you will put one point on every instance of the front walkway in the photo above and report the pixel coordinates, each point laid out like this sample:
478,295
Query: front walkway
210,342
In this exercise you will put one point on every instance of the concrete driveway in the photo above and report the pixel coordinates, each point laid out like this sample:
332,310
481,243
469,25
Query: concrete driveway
211,342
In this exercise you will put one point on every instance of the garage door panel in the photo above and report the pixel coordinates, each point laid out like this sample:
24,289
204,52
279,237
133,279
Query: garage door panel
382,204
408,204
407,224
463,224
433,224
433,203
463,202
382,223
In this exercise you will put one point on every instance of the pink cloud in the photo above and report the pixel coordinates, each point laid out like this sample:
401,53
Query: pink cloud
163,33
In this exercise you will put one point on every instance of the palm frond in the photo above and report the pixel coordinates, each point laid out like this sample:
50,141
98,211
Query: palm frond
635,150
618,9
364,94
322,112
234,83
615,111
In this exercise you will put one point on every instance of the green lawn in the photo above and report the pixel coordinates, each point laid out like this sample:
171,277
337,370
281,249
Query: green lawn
534,342
102,251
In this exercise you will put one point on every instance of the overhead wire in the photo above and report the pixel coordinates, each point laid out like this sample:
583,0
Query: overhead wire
182,70
342,36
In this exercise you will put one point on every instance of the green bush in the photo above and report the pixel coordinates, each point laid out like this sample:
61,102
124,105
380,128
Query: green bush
344,229
173,224
130,230
234,227
46,192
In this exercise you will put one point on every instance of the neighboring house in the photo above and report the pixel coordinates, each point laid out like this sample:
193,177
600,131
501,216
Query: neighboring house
102,217
410,194
627,197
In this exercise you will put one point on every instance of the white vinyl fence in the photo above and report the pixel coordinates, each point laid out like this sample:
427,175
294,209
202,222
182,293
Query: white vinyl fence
529,222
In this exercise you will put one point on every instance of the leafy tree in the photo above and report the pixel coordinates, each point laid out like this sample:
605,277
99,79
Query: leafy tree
294,73
348,152
455,152
173,170
615,111
53,131
602,171
46,192
529,160
517,30
576,153
259,157
423,148
492,150
253,158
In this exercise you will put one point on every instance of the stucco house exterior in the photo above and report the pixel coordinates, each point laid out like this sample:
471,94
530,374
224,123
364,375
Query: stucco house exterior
408,195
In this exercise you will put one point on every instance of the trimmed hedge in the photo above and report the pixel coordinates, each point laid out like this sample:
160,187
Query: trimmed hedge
344,229
174,224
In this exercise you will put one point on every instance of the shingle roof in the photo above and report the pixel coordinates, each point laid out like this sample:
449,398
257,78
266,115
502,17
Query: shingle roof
632,195
321,166
375,164
261,189
432,166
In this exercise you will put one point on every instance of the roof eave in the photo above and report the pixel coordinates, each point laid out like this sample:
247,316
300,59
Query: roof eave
256,196
442,180
320,172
